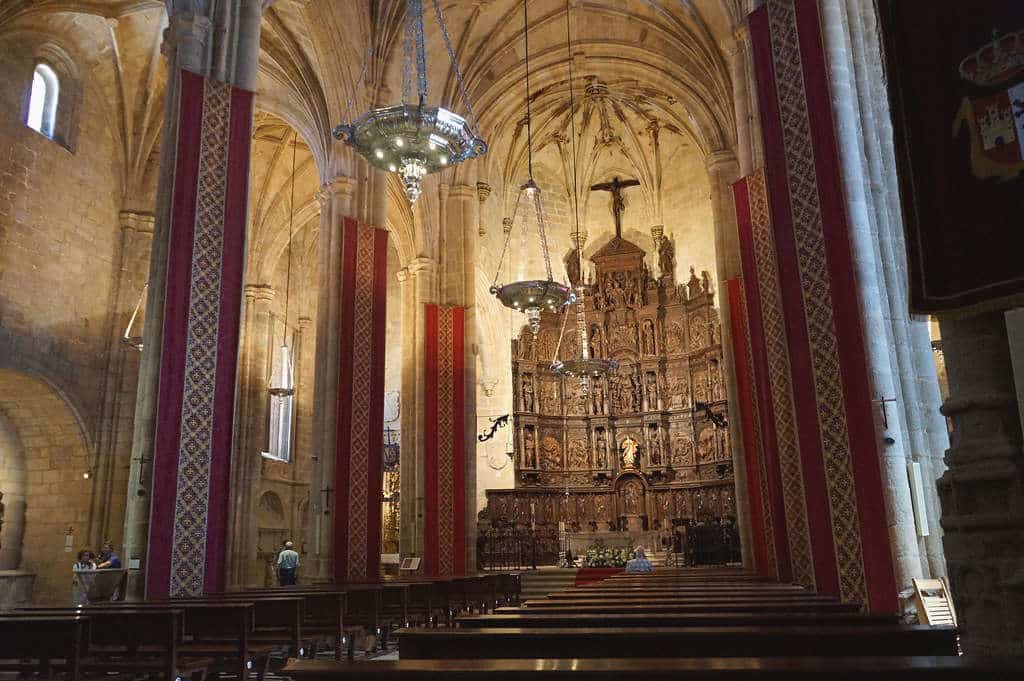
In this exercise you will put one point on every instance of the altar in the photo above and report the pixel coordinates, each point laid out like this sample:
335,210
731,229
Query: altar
643,449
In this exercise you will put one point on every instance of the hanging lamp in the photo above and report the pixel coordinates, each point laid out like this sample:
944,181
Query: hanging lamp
531,296
285,384
412,139
585,367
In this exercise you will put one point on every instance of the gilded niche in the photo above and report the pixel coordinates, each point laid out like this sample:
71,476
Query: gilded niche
578,448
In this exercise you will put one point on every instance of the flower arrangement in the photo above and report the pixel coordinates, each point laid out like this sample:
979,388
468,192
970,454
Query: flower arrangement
600,555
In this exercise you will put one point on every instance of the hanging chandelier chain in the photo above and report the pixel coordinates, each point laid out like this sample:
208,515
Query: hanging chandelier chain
529,118
474,126
539,209
291,228
508,239
416,8
581,309
350,103
407,49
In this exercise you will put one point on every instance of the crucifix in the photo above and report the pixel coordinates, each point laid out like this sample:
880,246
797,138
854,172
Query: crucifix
618,204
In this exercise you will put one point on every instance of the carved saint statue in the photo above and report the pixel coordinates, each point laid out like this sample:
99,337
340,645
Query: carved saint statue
649,347
667,257
601,445
631,498
654,446
578,458
705,281
597,395
630,450
652,390
529,450
693,285
596,345
527,392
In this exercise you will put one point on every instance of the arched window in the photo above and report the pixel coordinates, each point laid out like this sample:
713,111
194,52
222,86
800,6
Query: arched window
42,103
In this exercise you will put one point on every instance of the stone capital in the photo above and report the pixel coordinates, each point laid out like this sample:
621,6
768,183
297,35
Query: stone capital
722,162
463,192
342,185
186,32
402,275
259,292
422,266
136,221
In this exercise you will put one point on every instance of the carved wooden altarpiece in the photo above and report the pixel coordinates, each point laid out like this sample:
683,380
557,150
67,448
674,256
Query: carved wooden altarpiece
631,454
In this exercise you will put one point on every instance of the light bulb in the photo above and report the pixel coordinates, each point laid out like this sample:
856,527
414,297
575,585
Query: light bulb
379,153
399,142
444,160
393,168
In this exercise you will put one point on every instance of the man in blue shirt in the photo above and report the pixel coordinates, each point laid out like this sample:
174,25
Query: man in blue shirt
639,563
108,559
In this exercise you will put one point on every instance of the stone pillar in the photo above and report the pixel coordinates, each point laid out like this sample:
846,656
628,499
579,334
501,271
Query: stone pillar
421,289
737,55
981,492
114,447
184,46
252,404
723,170
336,199
464,200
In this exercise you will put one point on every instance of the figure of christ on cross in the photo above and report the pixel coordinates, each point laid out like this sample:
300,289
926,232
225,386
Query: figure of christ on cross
618,204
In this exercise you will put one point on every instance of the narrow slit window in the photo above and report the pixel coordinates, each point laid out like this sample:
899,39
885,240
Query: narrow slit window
42,103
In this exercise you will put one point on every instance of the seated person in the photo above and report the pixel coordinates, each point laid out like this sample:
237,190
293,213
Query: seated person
639,563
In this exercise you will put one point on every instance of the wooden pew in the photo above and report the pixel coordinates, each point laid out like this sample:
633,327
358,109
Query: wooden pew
323,615
217,630
668,669
134,642
694,607
32,644
670,619
721,641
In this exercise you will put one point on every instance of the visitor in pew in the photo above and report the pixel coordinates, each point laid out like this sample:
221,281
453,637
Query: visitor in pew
108,559
287,565
82,576
639,563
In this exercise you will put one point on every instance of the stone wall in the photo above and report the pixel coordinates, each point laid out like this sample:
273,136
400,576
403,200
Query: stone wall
47,443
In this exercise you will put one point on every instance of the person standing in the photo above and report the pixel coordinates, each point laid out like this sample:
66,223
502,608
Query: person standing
108,559
83,573
287,565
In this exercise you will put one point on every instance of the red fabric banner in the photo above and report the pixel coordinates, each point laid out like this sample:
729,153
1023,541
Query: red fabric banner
199,355
444,432
358,464
831,393
751,432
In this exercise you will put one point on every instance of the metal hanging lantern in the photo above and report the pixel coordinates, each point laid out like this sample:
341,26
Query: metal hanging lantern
285,384
585,367
414,140
533,295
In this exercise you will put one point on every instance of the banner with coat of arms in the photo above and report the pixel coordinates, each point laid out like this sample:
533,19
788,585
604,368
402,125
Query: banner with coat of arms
956,85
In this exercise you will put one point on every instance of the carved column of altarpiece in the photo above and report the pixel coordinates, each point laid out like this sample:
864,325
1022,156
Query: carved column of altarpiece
633,453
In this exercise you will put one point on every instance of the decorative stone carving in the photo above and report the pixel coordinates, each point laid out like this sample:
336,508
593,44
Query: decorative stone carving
577,451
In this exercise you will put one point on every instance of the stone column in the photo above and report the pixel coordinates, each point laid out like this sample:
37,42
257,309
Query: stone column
336,199
114,446
981,492
423,279
252,404
735,49
184,46
407,420
723,170
464,200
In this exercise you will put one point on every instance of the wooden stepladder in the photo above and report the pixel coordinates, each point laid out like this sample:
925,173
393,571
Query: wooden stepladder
934,602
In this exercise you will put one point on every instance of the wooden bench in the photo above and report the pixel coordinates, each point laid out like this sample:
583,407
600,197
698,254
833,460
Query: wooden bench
563,608
749,641
669,619
33,644
134,642
218,630
669,669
